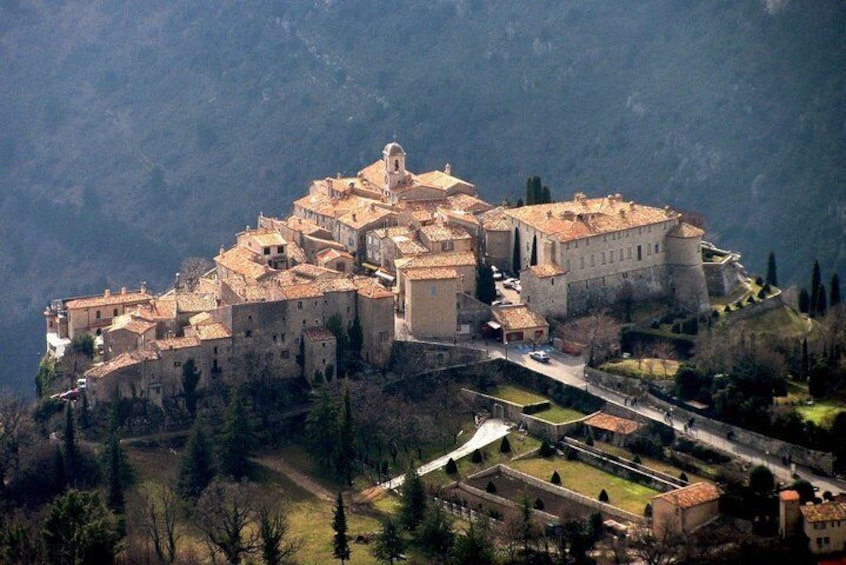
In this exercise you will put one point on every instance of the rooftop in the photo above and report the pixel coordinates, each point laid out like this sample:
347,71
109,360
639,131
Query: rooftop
241,261
109,298
788,495
318,334
517,317
585,217
431,260
691,495
496,220
441,232
431,274
547,270
612,423
823,512
214,330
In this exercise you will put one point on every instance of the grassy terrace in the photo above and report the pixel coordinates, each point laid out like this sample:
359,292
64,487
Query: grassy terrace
821,412
656,464
589,481
647,368
558,415
517,395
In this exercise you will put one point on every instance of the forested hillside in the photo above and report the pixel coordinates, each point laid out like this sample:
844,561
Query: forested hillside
133,134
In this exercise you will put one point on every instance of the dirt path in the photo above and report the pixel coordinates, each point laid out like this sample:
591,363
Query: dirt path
300,479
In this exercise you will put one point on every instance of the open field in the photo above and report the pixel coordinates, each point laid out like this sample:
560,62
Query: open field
821,412
589,481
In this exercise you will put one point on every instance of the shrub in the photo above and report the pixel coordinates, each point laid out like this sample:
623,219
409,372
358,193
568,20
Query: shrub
727,309
571,454
759,280
589,441
505,445
476,457
451,468
647,510
491,488
603,496
683,477
636,459
546,450
538,504
556,478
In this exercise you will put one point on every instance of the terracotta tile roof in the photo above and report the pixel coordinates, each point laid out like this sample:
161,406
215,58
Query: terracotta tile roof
370,288
109,299
269,238
392,231
587,217
373,175
458,216
440,180
441,232
195,302
133,325
172,343
823,512
296,253
242,261
788,495
430,260
335,285
365,215
431,274
496,220
212,331
408,246
319,334
121,361
548,270
518,317
612,423
300,291
467,203
685,230
692,495
330,254
201,318
159,309
302,225
312,272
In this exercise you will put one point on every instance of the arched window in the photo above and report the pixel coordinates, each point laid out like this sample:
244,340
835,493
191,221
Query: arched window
396,165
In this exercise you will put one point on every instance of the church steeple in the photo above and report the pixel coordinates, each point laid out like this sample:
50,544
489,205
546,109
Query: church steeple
394,160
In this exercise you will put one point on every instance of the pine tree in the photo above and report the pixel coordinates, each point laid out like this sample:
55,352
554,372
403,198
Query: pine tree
435,535
190,379
815,290
413,504
322,427
340,543
236,440
516,257
389,544
772,275
504,445
533,260
116,499
603,496
197,468
485,284
834,291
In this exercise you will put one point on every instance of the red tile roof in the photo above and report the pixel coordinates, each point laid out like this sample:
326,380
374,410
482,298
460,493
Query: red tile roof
692,495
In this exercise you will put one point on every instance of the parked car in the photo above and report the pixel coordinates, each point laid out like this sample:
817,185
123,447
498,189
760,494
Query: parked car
497,274
71,394
517,288
81,384
501,303
510,283
539,356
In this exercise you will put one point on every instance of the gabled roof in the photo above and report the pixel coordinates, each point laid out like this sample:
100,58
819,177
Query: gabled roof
517,317
823,512
612,423
431,274
691,495
547,270
109,299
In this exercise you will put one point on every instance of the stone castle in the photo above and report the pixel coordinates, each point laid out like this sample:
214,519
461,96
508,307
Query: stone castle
388,250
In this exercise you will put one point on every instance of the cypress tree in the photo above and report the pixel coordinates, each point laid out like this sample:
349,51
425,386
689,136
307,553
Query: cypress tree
821,301
485,284
505,445
546,195
70,445
197,468
235,441
804,301
834,291
340,543
516,258
772,275
346,450
190,379
519,203
533,260
413,504
815,289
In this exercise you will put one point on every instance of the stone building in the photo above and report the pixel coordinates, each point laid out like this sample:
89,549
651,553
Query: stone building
824,525
685,509
320,355
430,302
540,292
519,324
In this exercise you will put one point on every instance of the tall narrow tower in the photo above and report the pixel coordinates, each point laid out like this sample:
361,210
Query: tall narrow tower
394,159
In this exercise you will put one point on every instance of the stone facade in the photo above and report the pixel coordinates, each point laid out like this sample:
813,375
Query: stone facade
430,302
686,509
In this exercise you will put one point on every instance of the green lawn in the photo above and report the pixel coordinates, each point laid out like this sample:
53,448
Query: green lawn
656,464
822,412
589,481
491,456
558,415
517,395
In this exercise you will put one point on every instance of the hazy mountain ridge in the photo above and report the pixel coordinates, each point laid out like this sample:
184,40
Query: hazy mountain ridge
155,131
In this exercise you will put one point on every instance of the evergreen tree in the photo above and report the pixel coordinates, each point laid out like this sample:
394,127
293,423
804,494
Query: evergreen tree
533,260
474,546
356,337
603,496
804,301
834,291
116,499
435,535
485,284
389,544
197,468
340,543
546,196
236,440
71,454
556,478
821,301
79,530
520,203
451,468
190,379
322,427
772,275
413,504
815,289
516,257
505,445
346,449
761,479
336,325
533,190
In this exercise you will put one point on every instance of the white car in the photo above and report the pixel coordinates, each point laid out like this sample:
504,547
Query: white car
501,303
497,274
510,283
539,356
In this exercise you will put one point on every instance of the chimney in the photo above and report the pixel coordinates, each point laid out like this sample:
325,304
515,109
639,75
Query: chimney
353,216
143,287
107,293
548,214
448,169
123,290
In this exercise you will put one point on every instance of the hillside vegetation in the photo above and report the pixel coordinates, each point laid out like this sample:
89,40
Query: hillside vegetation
135,134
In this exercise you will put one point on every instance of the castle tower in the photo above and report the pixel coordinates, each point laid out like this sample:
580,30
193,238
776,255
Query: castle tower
788,514
394,159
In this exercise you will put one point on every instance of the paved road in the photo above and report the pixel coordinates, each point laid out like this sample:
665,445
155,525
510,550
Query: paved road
487,433
570,370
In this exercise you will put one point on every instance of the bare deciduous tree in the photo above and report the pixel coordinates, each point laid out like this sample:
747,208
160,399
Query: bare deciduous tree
192,269
223,513
277,547
14,428
159,512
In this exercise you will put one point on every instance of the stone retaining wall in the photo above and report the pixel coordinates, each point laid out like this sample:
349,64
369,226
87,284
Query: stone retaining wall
415,357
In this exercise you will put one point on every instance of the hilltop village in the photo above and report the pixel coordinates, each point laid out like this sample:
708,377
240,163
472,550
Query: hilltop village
390,252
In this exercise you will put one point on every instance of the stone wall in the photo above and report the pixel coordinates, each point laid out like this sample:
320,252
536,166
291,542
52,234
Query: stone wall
416,357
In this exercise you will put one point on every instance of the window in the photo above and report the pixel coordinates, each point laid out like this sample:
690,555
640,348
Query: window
114,312
602,258
275,337
447,245
284,354
629,253
248,333
433,290
177,363
215,350
581,262
97,314
383,336
266,251
280,250
592,261
299,305
639,253
656,249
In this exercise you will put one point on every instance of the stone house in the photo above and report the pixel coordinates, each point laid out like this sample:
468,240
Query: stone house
825,526
685,509
320,355
430,302
519,324
544,290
